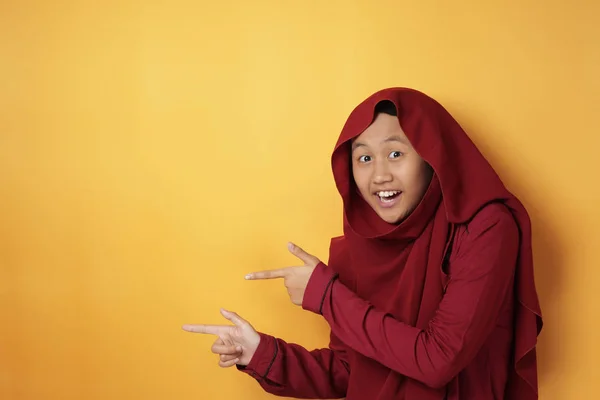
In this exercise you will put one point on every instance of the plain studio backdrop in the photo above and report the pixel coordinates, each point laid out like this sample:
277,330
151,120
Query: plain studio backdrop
153,152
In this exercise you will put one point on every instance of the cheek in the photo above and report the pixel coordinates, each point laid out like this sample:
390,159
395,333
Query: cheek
417,178
422,180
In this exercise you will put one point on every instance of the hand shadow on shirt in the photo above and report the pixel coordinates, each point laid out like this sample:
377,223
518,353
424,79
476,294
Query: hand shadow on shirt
547,251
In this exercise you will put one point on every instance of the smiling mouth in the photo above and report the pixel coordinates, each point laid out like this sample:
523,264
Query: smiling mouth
387,196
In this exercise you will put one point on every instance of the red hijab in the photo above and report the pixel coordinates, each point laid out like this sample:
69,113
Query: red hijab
398,268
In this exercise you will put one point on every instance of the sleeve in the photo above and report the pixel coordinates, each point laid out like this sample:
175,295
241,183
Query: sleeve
287,369
482,274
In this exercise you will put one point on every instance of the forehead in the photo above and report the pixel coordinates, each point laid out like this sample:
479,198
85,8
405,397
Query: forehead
384,128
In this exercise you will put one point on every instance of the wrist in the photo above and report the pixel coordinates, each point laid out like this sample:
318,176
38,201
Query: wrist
317,288
260,362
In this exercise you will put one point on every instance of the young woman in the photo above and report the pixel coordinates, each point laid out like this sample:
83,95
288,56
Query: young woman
429,293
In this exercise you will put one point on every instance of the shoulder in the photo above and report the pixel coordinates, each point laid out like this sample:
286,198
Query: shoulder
495,218
493,228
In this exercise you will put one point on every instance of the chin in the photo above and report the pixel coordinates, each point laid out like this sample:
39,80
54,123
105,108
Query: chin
393,219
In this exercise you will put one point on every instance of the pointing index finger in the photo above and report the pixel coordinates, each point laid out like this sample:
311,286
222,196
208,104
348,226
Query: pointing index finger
270,274
207,329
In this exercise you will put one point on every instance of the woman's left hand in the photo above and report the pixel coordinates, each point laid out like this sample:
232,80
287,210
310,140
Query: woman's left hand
295,279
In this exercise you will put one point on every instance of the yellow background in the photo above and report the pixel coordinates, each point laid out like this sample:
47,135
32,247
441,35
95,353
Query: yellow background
152,153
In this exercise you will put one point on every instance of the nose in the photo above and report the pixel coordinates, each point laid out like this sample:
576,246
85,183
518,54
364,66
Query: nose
382,172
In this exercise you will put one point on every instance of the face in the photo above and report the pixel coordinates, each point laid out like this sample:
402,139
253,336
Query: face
389,173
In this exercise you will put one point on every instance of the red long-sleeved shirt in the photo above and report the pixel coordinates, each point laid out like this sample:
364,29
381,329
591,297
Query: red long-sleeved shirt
470,336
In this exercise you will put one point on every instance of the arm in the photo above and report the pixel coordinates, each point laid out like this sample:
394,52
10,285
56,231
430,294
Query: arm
287,369
467,314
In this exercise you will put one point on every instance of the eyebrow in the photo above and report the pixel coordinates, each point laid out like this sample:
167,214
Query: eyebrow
394,138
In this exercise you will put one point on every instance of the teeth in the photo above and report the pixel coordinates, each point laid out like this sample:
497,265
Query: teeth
387,193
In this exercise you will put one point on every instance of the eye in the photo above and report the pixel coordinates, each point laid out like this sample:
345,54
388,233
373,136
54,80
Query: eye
364,159
395,154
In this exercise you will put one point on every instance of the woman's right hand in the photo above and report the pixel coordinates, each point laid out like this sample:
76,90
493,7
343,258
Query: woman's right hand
235,344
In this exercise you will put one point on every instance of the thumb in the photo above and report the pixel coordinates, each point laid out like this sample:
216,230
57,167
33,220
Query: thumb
303,255
233,317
